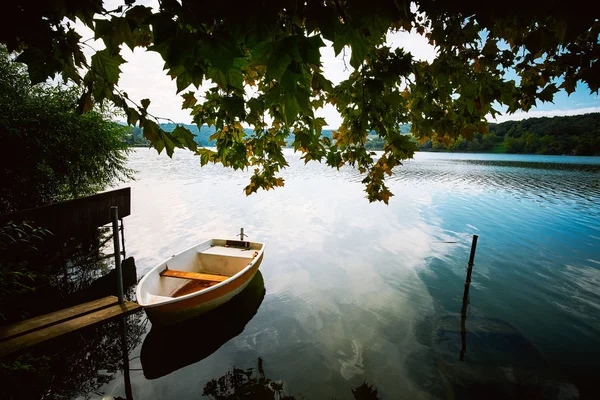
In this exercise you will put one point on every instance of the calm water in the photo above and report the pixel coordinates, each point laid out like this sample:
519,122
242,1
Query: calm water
357,292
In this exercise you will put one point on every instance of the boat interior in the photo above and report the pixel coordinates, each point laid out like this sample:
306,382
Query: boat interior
198,268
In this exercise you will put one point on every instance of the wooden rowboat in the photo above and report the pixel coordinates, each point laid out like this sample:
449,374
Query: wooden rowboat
225,322
198,280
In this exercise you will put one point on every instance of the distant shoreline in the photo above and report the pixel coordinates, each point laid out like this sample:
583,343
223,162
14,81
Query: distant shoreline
571,135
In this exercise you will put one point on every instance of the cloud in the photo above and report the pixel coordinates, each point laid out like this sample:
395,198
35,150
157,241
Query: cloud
412,43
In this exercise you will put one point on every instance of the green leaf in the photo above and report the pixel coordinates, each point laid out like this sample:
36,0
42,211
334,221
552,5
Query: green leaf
235,78
145,103
197,75
152,133
37,64
217,76
73,39
262,52
319,82
303,99
548,93
278,64
164,31
289,83
223,52
359,49
183,82
338,44
569,84
189,100
272,96
114,32
139,14
168,141
143,36
107,65
184,137
291,108
234,107
85,102
132,116
206,156
312,53
318,124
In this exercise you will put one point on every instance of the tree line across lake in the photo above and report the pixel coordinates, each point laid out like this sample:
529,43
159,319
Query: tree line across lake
572,135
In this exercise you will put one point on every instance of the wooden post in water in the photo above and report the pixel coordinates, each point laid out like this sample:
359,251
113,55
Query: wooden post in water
465,305
470,267
114,210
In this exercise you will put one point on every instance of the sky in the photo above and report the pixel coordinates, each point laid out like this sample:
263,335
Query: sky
143,77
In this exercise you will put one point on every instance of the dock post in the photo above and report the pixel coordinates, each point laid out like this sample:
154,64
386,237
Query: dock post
114,210
122,229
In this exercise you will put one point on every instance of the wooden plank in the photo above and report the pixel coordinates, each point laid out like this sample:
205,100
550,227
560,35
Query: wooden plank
72,217
33,324
170,273
27,340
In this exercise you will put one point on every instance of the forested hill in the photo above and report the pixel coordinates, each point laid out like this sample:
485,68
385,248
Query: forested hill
574,135
578,135
202,135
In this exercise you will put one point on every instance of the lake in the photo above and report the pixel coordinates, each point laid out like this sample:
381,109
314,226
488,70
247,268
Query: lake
355,297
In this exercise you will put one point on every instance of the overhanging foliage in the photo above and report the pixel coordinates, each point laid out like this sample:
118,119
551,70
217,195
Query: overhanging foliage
273,47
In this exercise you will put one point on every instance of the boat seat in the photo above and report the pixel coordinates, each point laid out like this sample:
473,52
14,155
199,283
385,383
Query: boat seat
196,276
238,252
153,298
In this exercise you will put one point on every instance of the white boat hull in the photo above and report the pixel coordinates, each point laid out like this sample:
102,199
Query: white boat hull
168,300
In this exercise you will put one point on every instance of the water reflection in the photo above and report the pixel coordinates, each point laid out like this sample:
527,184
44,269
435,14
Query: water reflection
69,271
362,291
125,353
246,384
167,349
71,366
501,362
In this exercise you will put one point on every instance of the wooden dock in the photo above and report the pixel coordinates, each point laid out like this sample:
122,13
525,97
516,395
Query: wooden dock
78,216
22,335
66,220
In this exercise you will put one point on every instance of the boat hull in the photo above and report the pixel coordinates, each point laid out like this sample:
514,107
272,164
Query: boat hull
225,322
202,301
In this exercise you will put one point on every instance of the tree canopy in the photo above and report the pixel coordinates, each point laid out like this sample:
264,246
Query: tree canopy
264,60
49,152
